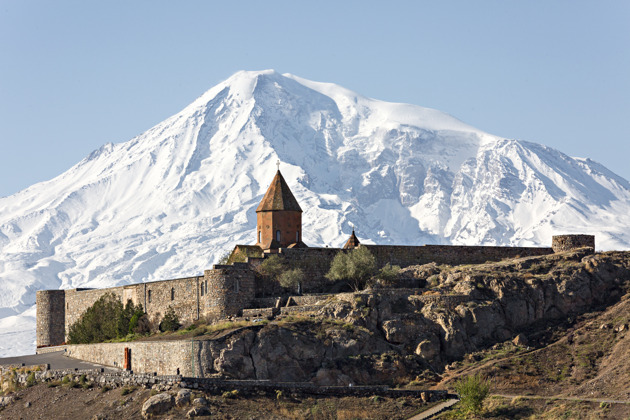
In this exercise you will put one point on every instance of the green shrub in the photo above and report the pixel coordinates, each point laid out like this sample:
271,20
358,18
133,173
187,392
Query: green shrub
170,322
230,394
389,273
291,278
472,391
354,267
30,379
106,319
105,389
273,267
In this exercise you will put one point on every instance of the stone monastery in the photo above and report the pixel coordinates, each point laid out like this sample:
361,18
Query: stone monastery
235,290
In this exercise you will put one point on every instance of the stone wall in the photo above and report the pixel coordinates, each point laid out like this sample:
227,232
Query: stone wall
405,256
215,385
220,292
561,243
50,317
182,295
160,357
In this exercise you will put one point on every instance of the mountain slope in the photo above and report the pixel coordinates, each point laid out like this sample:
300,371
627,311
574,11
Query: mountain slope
170,201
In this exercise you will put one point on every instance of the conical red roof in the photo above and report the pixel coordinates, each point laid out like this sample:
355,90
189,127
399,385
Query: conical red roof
278,197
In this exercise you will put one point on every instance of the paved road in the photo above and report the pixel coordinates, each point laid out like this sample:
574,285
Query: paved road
56,359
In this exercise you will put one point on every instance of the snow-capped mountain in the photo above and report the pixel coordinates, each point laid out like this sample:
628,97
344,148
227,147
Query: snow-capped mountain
169,202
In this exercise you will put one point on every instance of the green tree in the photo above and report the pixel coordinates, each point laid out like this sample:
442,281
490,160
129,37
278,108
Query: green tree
292,278
98,323
273,267
170,322
126,315
355,267
472,391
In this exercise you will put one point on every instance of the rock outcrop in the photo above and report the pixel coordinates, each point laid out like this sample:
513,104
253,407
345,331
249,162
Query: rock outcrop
391,335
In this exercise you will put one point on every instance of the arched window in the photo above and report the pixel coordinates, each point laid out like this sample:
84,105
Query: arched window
172,293
259,236
201,287
278,235
149,296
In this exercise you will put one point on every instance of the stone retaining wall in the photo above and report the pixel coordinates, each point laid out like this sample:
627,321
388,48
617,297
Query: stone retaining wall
215,385
160,357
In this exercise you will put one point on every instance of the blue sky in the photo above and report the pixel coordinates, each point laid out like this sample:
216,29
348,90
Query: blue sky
77,74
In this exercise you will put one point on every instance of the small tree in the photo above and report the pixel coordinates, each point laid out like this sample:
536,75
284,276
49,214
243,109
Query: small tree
126,316
292,278
273,267
355,267
170,322
472,391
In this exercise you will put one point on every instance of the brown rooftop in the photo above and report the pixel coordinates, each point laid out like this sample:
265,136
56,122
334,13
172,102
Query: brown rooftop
278,197
352,242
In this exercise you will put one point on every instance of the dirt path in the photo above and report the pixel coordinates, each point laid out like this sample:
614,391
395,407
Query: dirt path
559,397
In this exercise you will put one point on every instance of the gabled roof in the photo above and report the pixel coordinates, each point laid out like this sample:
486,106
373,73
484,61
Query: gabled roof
352,241
278,197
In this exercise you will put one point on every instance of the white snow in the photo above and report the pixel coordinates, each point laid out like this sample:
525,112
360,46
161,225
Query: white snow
169,202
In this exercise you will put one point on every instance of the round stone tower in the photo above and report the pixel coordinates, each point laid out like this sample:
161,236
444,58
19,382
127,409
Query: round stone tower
51,317
561,243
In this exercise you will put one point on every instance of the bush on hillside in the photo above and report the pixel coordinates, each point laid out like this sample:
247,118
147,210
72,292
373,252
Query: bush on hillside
106,319
170,322
389,274
355,267
472,391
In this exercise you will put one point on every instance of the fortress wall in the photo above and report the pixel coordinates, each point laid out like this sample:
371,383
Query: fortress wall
50,317
315,262
230,288
405,256
180,294
561,243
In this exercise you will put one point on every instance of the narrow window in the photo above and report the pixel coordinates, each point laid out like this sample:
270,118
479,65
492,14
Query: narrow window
278,235
236,286
297,236
201,287
149,296
205,286
259,236
172,293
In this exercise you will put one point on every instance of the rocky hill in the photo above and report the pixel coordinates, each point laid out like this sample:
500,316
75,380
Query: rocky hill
464,315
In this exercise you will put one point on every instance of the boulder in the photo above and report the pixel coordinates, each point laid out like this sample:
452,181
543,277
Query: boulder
157,404
520,340
198,412
182,397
